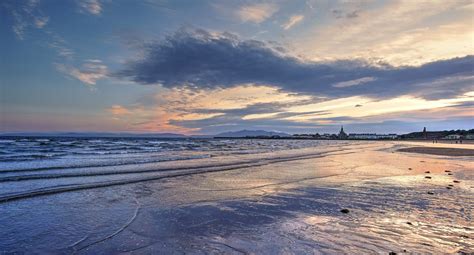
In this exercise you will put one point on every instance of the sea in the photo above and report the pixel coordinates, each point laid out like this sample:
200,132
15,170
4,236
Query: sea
129,195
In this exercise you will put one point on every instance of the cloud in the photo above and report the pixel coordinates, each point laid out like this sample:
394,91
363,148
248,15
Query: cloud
202,60
256,13
90,6
90,72
340,14
355,82
40,22
398,32
304,115
119,110
295,19
25,14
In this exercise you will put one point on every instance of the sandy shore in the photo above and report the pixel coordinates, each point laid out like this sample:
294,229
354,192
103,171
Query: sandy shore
440,151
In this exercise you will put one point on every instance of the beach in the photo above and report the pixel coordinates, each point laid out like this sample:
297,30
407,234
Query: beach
332,197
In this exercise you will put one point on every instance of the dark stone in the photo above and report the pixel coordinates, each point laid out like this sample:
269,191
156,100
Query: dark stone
345,210
409,168
392,253
427,172
447,171
409,223
430,193
450,174
448,187
428,177
456,181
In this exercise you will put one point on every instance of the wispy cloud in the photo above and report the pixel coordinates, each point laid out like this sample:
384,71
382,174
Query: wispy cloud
397,32
256,13
90,6
119,110
25,14
355,82
89,73
295,19
40,22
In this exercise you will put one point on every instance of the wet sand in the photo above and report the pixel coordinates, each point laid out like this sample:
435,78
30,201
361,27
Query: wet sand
277,207
440,151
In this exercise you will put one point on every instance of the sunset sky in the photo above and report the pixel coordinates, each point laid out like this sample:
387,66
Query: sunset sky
204,67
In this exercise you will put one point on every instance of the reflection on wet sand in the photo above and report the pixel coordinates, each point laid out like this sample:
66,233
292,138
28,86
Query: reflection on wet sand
283,207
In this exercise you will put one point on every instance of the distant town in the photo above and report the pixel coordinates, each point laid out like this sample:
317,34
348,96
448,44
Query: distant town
342,135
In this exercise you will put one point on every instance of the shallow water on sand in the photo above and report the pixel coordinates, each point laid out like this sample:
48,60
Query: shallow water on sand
270,203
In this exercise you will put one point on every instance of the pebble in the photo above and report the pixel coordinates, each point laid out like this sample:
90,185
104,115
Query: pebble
456,181
449,187
447,171
409,168
427,172
345,210
428,177
450,174
430,193
392,253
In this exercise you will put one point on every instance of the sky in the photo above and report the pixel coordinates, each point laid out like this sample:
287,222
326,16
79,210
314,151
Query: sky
208,66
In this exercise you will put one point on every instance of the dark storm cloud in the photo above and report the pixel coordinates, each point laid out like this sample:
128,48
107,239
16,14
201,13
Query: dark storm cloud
201,60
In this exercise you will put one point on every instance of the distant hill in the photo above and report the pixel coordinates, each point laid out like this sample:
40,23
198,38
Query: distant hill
251,133
94,134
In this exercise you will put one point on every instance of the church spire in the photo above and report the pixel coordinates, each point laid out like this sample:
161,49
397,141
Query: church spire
342,134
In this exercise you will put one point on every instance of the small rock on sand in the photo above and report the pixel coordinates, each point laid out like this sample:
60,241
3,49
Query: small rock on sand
447,171
345,210
427,172
409,168
409,223
449,187
428,177
456,181
430,193
392,253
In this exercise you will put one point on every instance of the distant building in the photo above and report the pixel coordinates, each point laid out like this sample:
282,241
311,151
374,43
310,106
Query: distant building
342,134
372,136
469,137
325,136
452,137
